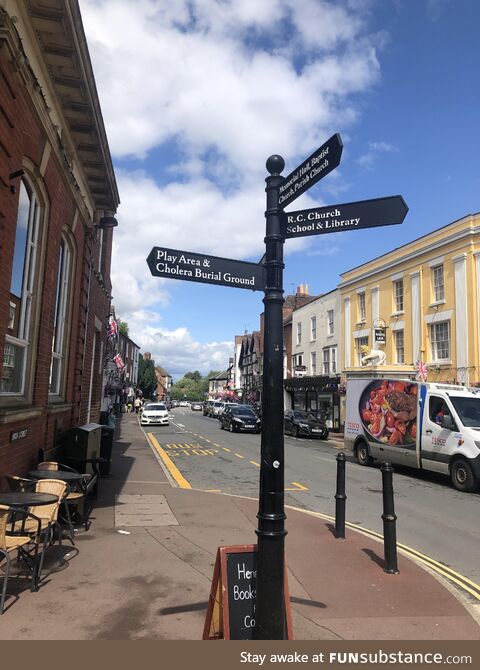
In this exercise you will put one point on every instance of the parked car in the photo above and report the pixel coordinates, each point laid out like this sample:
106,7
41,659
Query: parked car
197,406
223,407
240,417
175,403
183,403
301,423
168,404
155,412
213,408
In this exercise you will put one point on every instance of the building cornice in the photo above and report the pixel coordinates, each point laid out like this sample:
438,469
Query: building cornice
471,231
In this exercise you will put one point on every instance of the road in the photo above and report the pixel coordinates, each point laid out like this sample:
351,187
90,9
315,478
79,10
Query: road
433,518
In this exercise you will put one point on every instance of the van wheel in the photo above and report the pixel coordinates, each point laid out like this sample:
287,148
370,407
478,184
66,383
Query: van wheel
462,475
363,457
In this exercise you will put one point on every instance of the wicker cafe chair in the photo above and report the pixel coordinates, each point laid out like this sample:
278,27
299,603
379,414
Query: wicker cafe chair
17,542
48,516
20,483
77,493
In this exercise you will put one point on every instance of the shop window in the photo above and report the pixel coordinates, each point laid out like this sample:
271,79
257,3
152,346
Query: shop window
57,367
23,283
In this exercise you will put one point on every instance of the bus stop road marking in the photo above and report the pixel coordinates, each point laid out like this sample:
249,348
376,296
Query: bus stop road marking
169,464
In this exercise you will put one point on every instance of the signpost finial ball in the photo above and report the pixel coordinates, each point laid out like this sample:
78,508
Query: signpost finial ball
275,164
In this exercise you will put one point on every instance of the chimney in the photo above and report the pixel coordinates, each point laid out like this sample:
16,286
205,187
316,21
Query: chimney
302,289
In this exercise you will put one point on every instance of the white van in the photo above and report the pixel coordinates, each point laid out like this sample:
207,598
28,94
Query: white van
422,425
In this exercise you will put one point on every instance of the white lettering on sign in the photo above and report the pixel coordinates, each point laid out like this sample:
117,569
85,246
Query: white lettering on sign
326,222
243,573
243,594
163,267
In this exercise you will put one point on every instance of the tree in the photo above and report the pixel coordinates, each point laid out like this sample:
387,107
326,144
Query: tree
147,380
192,386
122,327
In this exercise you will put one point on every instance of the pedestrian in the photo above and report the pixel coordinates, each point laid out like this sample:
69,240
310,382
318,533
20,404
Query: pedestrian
137,404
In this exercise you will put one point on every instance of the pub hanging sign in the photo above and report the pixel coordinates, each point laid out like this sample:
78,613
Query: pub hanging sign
380,335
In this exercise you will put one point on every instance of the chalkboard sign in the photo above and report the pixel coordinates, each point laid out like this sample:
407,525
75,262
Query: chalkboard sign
231,608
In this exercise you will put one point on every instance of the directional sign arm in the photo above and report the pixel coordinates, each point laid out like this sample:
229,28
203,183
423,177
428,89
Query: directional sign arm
347,216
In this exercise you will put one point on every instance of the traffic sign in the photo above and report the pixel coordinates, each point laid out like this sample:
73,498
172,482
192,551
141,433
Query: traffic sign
318,165
189,266
348,216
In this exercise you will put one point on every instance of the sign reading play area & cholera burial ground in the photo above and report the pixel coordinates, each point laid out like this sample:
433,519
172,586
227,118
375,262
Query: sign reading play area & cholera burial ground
176,264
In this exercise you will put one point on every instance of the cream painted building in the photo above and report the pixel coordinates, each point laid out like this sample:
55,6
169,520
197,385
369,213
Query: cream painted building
316,352
428,294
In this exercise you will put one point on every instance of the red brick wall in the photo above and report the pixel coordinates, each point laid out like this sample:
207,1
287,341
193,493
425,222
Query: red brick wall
23,136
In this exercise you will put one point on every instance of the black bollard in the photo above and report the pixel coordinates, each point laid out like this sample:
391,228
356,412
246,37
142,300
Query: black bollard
389,520
340,497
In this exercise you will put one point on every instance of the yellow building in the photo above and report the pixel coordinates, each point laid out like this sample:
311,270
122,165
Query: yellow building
428,294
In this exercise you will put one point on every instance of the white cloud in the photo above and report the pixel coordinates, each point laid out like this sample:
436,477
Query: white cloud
374,150
176,350
226,83
189,73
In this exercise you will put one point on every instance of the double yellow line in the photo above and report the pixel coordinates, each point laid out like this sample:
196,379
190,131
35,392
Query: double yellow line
462,582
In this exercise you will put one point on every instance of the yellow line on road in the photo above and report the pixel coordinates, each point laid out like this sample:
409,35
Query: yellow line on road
255,463
224,448
239,456
298,487
455,577
169,464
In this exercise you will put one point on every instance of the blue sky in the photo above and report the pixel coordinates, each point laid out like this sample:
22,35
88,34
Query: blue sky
196,95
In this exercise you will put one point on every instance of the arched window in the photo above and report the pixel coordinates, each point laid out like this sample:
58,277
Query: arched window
22,292
59,339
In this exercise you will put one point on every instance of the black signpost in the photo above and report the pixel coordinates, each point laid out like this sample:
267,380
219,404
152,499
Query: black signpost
267,275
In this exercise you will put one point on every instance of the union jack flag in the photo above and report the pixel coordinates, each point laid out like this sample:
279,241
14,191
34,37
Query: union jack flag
112,329
422,371
118,360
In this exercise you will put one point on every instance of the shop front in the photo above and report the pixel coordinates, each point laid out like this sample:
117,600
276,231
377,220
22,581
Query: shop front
318,395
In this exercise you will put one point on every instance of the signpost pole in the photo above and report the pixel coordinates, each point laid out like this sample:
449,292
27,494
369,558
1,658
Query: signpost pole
270,621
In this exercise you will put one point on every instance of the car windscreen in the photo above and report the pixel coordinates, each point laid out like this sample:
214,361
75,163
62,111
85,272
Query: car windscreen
305,416
155,407
468,410
242,411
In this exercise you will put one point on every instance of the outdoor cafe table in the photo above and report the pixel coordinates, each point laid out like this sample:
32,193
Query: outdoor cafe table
56,474
27,499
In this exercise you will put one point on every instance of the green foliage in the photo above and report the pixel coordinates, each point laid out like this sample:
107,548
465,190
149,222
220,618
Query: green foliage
122,327
147,380
191,387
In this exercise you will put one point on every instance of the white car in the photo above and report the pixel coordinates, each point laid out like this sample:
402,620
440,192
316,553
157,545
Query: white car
155,412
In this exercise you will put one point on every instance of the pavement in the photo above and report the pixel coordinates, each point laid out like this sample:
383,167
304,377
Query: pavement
144,569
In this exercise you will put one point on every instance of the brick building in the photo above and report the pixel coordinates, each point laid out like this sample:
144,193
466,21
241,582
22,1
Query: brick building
58,196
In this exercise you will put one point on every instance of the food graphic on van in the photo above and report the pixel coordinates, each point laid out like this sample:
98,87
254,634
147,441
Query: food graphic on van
388,410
